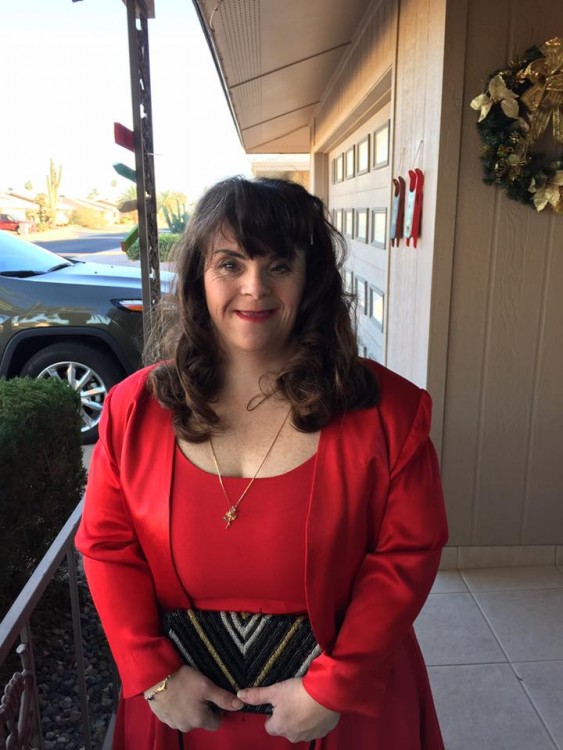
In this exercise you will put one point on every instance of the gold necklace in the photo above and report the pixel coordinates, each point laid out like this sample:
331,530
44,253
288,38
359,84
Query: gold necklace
231,514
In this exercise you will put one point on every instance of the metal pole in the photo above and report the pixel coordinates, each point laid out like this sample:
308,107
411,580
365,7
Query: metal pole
25,649
78,647
144,157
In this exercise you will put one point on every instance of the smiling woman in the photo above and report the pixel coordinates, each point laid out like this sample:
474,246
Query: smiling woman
253,302
263,518
275,238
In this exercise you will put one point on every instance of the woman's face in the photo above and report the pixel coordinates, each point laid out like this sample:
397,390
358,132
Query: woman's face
253,303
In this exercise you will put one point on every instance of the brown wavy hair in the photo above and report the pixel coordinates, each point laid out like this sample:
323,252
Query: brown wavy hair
324,376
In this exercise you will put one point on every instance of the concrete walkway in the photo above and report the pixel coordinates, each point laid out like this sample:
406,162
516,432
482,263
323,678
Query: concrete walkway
493,641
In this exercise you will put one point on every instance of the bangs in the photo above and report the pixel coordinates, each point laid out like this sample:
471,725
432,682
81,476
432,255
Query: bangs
265,217
255,242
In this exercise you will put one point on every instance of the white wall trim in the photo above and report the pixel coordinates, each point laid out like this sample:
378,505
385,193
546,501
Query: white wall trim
510,556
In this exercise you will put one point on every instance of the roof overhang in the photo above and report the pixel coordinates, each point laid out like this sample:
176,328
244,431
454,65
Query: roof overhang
275,60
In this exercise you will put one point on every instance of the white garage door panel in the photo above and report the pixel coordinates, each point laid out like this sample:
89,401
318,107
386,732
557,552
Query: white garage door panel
368,259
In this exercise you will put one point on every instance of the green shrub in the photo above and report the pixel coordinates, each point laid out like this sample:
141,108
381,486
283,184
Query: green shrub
41,471
166,243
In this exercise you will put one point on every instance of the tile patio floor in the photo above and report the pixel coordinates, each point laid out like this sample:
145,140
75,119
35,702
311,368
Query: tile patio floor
493,642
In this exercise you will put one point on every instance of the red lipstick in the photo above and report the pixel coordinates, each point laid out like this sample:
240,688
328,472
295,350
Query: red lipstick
255,316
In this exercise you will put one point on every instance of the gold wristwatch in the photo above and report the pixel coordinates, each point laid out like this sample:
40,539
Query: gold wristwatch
159,688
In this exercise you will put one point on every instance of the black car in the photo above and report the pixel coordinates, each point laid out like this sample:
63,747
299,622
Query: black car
67,319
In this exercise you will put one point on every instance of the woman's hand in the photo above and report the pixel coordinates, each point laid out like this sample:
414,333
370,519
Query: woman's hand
185,704
296,716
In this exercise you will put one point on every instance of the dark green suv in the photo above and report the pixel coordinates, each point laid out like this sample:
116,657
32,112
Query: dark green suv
66,319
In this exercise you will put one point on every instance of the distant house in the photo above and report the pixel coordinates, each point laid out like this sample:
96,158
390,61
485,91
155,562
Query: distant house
23,203
110,209
17,205
106,212
65,209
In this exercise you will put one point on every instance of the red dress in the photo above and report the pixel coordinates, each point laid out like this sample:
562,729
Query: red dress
374,531
261,567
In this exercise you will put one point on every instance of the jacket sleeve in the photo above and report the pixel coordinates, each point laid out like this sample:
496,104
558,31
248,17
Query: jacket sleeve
118,575
392,583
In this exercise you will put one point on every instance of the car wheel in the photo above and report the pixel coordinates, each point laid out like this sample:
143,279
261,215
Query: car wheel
89,372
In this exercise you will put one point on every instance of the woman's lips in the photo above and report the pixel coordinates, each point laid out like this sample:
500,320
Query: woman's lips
255,316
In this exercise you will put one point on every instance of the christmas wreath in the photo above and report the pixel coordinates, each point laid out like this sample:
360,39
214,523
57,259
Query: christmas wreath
516,107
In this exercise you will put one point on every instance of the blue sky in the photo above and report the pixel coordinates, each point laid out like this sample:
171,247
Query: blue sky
65,80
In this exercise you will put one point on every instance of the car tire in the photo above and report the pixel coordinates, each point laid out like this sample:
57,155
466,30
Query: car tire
89,371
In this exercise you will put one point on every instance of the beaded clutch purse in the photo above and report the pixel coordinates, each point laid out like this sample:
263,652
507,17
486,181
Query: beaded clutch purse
241,649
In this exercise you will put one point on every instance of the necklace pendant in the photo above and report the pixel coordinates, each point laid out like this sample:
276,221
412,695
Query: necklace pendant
230,516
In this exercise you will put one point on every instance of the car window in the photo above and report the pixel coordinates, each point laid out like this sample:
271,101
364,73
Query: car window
18,255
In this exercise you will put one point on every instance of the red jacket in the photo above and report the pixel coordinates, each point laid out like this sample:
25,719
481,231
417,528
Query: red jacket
376,526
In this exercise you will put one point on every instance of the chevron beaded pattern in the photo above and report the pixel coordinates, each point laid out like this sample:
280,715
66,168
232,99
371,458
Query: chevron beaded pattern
241,649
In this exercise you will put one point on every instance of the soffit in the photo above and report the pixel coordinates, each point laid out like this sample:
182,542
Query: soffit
276,58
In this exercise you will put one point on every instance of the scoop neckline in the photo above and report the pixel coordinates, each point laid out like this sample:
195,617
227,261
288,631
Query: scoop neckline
228,478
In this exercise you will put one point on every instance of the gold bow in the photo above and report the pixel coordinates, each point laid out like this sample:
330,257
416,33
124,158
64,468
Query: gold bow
544,99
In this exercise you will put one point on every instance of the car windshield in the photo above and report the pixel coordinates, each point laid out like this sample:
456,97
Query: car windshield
17,256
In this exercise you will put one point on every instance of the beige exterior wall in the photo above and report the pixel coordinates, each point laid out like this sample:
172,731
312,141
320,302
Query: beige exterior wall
418,100
475,313
502,455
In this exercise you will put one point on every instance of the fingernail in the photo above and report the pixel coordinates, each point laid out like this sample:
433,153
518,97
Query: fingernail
236,703
242,694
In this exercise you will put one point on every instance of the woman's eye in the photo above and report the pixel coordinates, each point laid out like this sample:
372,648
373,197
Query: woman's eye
228,265
281,268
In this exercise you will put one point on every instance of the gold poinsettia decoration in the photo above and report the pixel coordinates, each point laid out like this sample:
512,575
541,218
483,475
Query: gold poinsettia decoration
550,193
497,93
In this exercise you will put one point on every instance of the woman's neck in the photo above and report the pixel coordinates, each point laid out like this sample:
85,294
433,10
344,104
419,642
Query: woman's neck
246,378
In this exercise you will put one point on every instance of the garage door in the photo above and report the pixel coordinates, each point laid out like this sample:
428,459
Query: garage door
359,202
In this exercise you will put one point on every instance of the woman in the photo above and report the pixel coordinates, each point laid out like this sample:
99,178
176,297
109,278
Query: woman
263,467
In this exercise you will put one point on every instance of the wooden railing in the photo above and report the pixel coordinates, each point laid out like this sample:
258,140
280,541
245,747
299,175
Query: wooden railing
20,717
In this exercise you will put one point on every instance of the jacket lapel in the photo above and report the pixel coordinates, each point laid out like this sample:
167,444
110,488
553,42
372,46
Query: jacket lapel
151,450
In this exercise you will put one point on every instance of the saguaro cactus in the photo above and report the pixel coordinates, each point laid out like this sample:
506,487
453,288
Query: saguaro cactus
53,182
176,219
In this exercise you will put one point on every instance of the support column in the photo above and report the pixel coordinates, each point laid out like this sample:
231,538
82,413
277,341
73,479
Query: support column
137,24
319,176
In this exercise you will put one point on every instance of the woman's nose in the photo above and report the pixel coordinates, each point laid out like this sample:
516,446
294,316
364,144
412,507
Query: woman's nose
257,282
